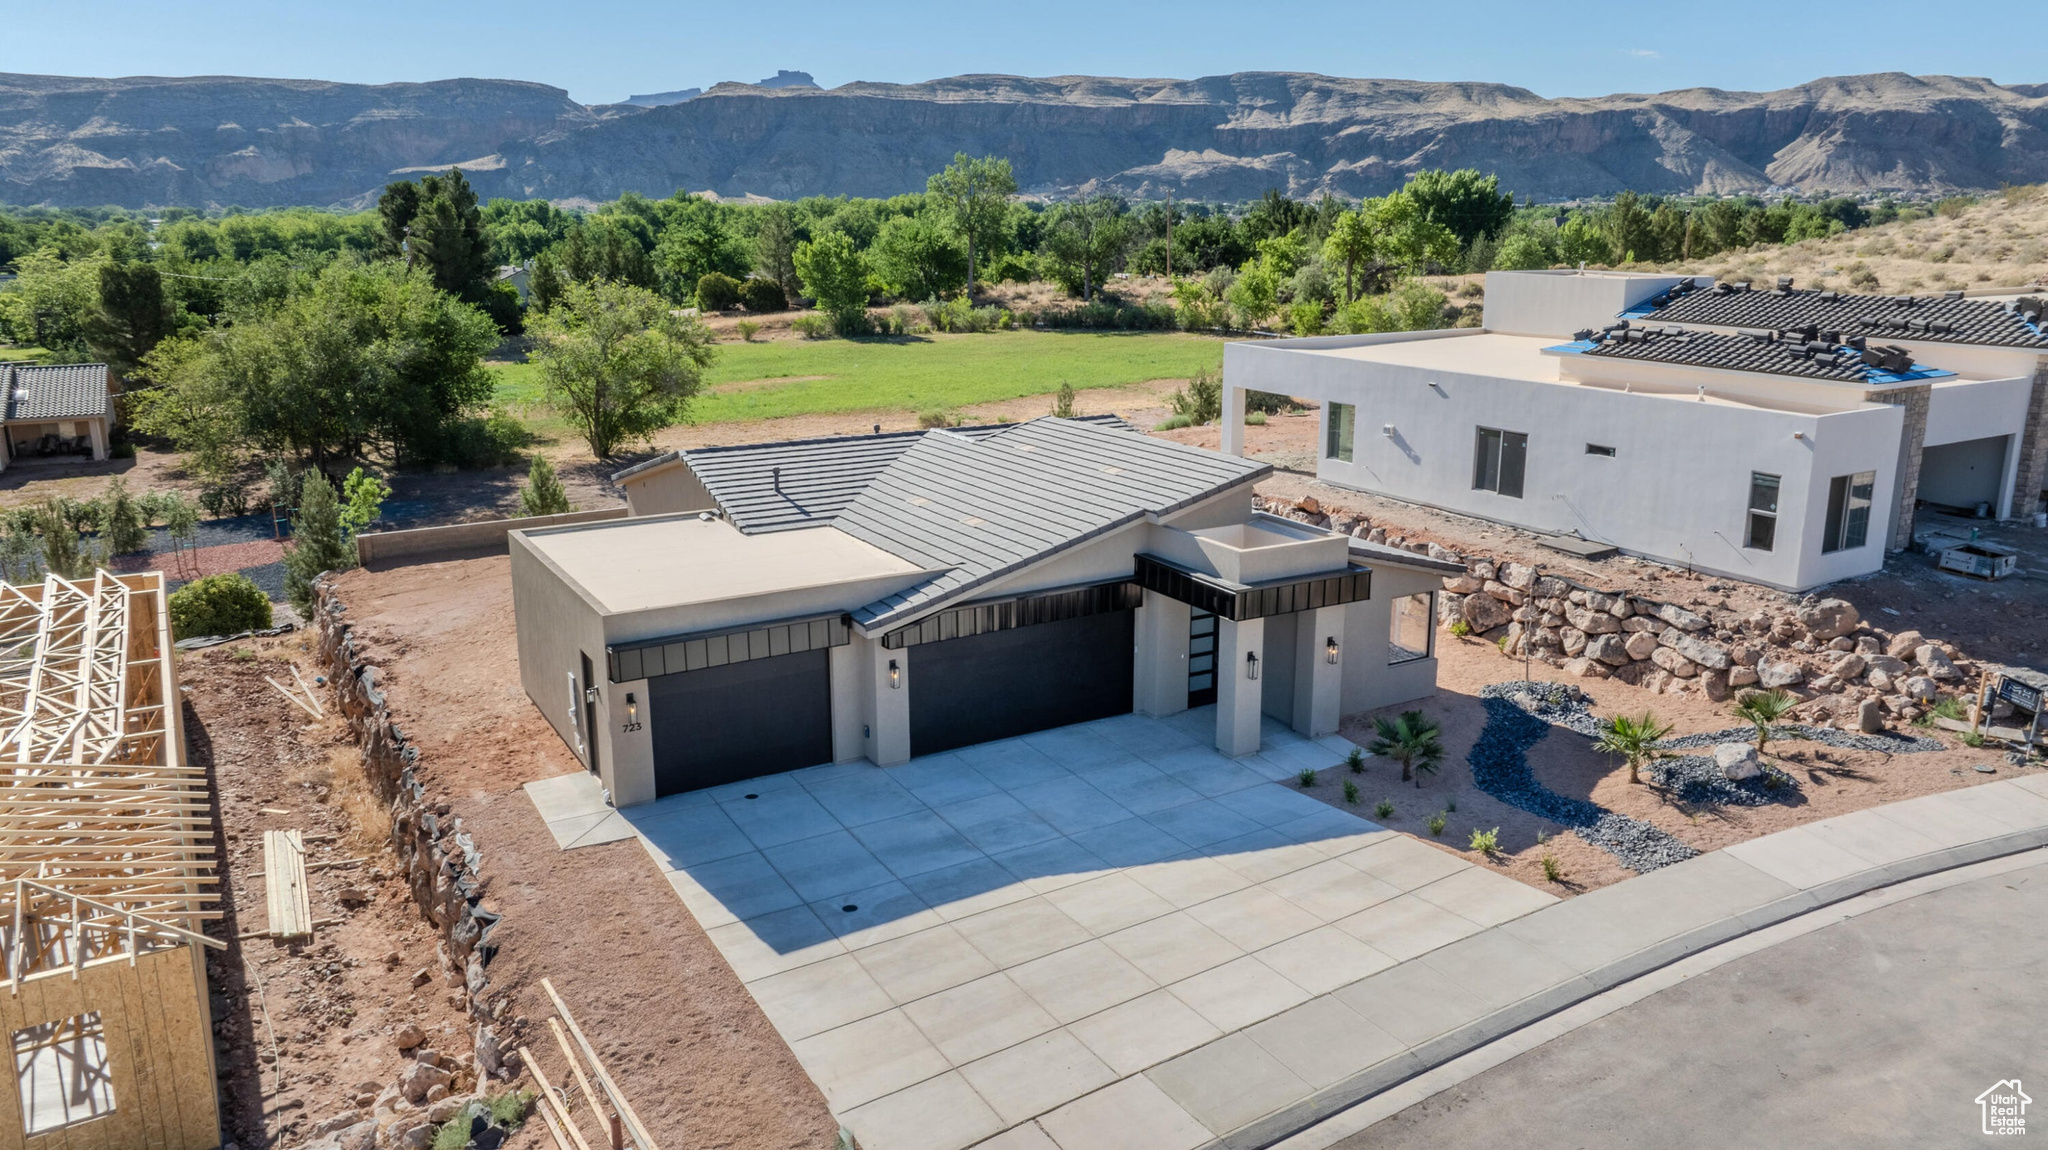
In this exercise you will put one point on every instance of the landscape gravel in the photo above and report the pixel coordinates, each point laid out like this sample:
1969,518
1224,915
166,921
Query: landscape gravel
1826,736
1518,716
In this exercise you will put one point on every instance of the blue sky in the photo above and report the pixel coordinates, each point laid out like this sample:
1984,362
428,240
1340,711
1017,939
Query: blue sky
608,49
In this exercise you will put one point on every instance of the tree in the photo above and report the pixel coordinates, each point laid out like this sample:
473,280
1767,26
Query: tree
697,244
618,363
435,224
362,501
1255,294
52,303
1275,215
123,531
317,543
1629,229
775,247
543,494
1760,709
1063,401
544,282
916,258
1469,204
1579,241
1413,740
133,317
1524,251
1352,242
975,194
835,274
1409,239
1634,739
1083,242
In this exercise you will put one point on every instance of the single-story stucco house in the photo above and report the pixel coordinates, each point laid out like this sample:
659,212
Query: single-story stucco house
56,410
775,606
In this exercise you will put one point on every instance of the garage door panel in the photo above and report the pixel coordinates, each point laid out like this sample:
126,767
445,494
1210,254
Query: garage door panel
1007,683
740,721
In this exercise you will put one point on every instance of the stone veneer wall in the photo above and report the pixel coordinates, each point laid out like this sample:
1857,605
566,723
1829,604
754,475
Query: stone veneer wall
1911,444
2033,469
436,856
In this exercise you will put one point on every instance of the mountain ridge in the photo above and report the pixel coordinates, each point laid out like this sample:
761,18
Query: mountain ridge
254,142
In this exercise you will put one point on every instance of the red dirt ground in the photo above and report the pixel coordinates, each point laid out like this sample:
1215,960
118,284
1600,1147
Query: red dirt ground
673,1023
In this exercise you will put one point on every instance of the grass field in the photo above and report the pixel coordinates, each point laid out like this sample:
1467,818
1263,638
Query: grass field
9,352
803,377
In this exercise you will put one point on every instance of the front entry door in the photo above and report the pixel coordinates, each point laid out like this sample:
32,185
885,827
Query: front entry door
590,713
1201,658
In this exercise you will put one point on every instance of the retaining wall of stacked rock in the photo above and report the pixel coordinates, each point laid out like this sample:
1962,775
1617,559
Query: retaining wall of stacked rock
439,860
1851,673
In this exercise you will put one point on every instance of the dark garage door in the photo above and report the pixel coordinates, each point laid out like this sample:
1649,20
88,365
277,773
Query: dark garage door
722,724
965,691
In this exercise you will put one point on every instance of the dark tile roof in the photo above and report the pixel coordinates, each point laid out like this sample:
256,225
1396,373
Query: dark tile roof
1767,353
56,391
1945,318
805,482
982,507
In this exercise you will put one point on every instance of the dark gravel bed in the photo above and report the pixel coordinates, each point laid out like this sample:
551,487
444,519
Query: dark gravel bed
1518,716
1698,779
1826,736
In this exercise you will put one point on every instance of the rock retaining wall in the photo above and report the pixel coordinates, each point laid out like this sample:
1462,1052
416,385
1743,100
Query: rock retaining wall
435,856
1853,674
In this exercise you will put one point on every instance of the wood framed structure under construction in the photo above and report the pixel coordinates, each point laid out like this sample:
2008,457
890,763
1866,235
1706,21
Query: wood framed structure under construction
106,875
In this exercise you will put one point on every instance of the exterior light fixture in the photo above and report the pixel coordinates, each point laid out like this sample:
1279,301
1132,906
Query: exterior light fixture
895,676
1330,649
1799,435
1251,664
1387,430
632,712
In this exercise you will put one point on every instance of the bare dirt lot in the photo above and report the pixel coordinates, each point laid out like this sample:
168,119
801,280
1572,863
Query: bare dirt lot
303,1028
673,1023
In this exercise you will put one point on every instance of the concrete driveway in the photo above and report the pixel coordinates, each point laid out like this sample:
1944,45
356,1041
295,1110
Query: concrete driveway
1881,1030
1017,931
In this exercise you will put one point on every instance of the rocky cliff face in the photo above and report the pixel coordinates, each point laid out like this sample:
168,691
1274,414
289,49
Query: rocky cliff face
266,142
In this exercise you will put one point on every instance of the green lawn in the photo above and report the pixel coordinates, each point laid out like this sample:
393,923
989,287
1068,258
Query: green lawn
914,373
8,352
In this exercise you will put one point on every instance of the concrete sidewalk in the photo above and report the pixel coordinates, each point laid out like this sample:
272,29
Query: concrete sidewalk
1261,1084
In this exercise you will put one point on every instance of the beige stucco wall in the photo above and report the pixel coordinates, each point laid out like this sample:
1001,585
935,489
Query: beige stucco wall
1369,680
665,490
556,624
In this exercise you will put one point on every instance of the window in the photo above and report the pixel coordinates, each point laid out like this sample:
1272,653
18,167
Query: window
61,1069
1498,460
1343,420
1763,511
1412,631
1599,449
1848,523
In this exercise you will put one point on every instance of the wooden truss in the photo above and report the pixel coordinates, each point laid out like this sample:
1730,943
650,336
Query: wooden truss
106,834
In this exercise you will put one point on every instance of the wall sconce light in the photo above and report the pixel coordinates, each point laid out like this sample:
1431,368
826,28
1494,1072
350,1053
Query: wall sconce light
1799,435
632,712
895,676
1251,664
1330,649
1387,429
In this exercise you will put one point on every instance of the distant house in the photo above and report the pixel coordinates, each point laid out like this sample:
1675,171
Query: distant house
516,276
55,411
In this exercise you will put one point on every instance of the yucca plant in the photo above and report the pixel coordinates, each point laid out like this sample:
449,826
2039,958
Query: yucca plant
1762,708
1413,740
1633,738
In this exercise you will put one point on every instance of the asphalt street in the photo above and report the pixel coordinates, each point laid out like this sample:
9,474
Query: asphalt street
1881,1030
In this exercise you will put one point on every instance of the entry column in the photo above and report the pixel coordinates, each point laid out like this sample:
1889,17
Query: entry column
1238,675
1318,671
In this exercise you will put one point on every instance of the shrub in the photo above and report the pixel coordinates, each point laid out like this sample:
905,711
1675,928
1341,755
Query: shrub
1173,423
1460,628
1553,871
763,296
1350,792
543,493
1201,401
1355,759
1951,708
811,326
501,303
1255,419
1486,842
1436,824
1973,739
362,501
932,417
1305,317
748,329
717,291
1307,777
123,529
1063,402
1268,403
317,542
219,605
1384,810
490,441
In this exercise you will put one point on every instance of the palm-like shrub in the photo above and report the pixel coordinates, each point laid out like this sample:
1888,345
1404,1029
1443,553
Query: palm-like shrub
1762,708
1633,738
1413,740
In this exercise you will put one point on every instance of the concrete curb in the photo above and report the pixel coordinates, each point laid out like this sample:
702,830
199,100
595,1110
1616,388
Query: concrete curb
1330,1100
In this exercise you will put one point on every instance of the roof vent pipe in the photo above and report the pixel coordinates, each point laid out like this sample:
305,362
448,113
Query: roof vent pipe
777,473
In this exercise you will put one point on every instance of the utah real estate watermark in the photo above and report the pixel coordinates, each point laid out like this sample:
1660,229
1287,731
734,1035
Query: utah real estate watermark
2004,1108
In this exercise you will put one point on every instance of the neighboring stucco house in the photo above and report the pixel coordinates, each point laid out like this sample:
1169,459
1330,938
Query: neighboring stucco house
56,410
882,597
1779,436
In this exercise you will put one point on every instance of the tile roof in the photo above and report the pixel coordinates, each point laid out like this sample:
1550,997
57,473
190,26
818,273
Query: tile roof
982,507
805,482
1947,318
55,391
1768,353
